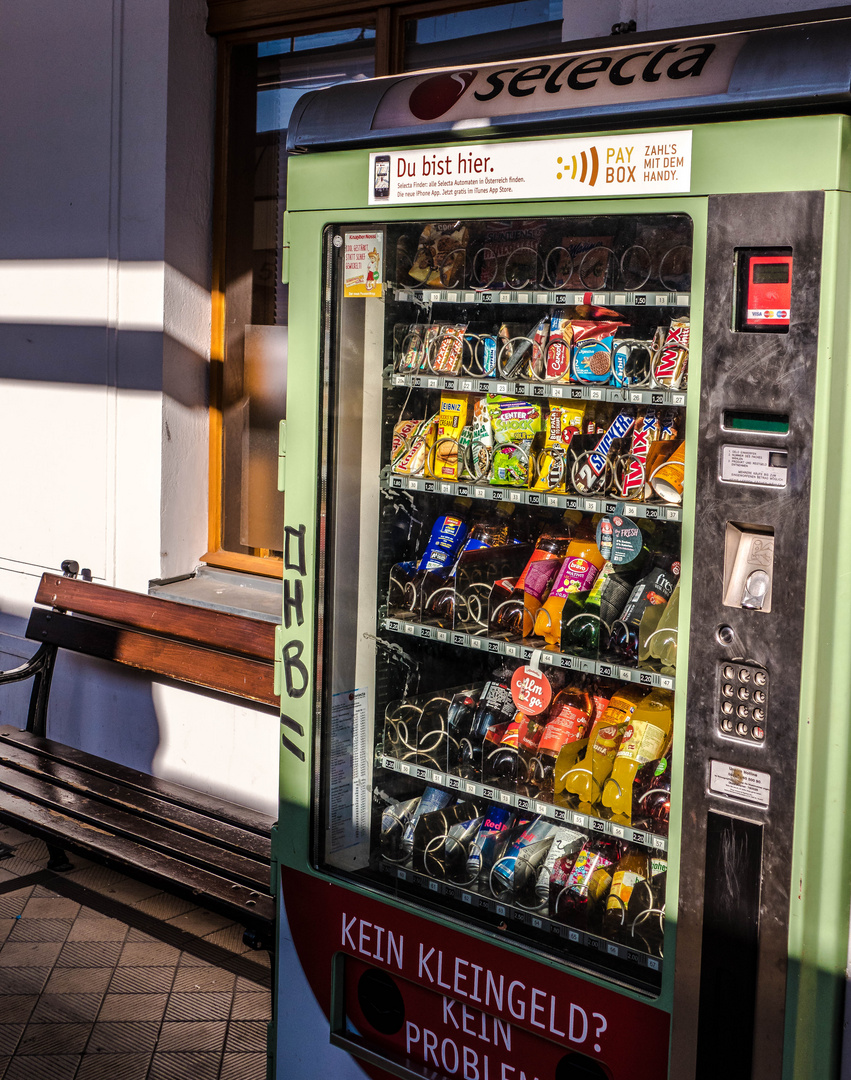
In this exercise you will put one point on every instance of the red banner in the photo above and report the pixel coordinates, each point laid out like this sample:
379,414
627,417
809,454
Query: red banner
463,1004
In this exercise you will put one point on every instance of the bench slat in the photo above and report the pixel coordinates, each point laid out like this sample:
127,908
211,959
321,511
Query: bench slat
241,817
96,816
254,907
198,625
228,674
85,781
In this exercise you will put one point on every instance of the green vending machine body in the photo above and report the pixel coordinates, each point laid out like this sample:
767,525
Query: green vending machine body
564,650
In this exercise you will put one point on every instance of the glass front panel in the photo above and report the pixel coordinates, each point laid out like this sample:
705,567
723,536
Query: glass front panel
504,435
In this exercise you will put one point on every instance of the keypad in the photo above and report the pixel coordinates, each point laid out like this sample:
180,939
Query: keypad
742,701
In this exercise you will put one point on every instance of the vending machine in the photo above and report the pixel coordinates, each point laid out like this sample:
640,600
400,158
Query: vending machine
564,671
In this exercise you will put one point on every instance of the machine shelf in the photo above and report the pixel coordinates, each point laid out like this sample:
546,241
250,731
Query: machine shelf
522,652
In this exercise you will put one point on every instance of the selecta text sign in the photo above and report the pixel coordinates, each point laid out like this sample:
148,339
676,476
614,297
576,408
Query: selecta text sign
641,164
629,74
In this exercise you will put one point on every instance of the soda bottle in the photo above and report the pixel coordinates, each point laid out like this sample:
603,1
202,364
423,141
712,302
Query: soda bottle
645,913
661,643
633,866
490,529
459,720
587,777
579,883
514,604
653,589
495,710
643,740
651,796
568,721
582,563
506,764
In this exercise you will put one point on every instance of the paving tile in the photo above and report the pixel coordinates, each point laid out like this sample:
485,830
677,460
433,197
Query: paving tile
230,938
129,892
86,928
89,954
183,1036
66,1008
199,1006
22,980
4,1061
12,904
41,1039
243,1067
50,907
10,1035
139,980
114,1067
146,954
133,1037
79,980
203,979
132,1007
6,927
49,1067
246,1036
188,1066
26,929
164,906
96,878
252,1007
29,954
134,934
17,1008
202,923
12,836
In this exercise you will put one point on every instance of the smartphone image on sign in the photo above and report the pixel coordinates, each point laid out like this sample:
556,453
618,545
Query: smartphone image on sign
381,176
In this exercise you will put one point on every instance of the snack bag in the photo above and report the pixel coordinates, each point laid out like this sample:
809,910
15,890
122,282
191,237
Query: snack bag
513,420
451,420
670,363
634,467
441,254
412,350
481,440
591,361
557,366
412,460
563,421
450,350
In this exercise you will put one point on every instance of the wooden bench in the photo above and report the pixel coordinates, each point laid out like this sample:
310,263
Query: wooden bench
194,844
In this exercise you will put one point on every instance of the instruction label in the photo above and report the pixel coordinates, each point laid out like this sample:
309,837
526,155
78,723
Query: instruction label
734,782
753,465
348,796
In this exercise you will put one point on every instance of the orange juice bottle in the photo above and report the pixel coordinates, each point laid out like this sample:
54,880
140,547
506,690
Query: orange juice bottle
587,777
582,563
643,740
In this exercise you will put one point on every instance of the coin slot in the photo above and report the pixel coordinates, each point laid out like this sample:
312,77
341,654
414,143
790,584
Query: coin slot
748,566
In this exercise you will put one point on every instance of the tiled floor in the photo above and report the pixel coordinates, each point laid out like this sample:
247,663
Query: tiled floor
105,978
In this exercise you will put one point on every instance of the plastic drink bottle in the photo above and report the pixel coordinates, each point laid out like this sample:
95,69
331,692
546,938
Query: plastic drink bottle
632,867
579,883
568,720
661,643
582,563
513,606
496,708
587,777
643,740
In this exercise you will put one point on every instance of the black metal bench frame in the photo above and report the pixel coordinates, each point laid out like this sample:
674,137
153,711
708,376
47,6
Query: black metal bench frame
214,851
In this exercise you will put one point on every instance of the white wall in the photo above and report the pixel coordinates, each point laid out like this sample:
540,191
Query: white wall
105,251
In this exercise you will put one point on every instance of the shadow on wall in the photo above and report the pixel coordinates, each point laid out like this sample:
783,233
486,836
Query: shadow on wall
94,705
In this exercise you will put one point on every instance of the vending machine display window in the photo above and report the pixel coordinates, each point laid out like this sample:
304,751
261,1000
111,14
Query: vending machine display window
503,465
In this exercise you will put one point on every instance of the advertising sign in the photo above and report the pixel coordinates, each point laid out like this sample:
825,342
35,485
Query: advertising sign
639,164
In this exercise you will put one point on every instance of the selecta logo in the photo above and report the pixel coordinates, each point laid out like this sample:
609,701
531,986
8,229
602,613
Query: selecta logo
432,98
676,69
